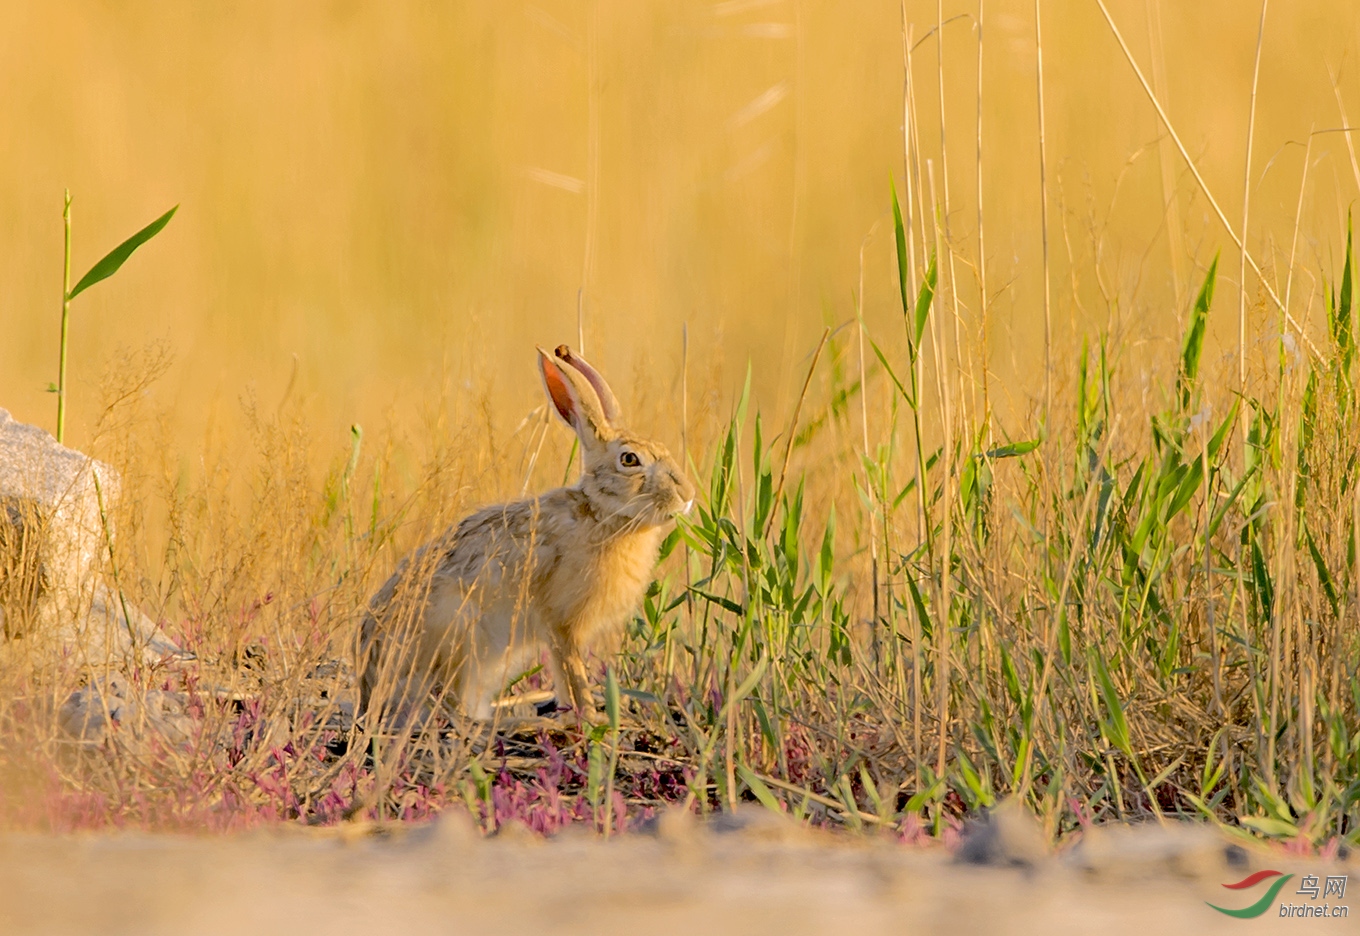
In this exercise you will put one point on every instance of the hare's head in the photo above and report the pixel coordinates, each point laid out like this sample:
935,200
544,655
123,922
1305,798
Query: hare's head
625,476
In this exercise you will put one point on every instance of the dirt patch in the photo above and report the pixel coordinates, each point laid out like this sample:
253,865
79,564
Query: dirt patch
747,876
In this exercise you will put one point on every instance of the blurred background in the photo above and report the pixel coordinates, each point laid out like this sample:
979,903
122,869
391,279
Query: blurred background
404,197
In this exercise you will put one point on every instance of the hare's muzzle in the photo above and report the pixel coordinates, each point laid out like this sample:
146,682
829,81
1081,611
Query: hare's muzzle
682,491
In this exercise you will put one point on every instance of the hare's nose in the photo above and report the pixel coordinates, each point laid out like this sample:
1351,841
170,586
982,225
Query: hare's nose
689,505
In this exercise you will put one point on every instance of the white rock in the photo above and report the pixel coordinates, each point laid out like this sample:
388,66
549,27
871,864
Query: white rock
61,501
60,485
137,717
114,629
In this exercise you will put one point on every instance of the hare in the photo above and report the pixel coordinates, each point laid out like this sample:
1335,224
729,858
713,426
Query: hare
561,571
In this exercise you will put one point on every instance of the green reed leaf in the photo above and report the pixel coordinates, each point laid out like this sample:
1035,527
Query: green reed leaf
116,257
1194,335
923,301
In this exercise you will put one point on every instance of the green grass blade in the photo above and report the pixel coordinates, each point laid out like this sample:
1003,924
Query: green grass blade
881,808
900,234
727,604
758,787
116,257
923,301
927,626
1324,576
1216,441
752,680
1117,727
1276,828
921,797
1014,449
1190,480
1345,338
826,558
888,367
611,697
1231,501
1194,334
740,417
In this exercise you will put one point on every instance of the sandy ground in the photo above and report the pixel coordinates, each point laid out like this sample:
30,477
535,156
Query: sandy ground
764,877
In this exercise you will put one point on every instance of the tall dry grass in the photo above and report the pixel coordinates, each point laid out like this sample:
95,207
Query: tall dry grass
1120,584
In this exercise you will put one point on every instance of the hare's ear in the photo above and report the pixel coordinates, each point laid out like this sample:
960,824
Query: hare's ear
608,404
575,401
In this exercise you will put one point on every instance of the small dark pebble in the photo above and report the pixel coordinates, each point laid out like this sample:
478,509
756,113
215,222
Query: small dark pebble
1007,836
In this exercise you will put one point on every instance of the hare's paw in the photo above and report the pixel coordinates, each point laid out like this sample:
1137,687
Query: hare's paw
547,708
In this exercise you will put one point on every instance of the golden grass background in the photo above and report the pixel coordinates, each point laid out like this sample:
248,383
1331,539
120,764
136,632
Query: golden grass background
408,196
384,207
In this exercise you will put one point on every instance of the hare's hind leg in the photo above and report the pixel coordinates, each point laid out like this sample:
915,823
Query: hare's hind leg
389,691
366,663
482,681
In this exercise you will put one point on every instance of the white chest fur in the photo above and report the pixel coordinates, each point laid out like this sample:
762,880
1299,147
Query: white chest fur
596,589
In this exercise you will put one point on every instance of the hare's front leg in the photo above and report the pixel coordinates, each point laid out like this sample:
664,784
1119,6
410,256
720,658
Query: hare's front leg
569,678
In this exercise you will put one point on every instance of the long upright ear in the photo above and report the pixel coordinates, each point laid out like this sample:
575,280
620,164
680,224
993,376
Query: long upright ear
608,403
575,401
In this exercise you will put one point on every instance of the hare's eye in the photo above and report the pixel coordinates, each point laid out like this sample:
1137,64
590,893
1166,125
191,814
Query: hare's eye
629,460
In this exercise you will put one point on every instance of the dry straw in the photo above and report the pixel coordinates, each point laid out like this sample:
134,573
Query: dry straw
1102,604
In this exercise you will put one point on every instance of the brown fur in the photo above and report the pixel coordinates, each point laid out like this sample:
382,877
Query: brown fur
562,570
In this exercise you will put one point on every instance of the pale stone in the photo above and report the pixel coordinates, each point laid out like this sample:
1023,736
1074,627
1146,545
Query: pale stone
63,488
57,504
111,707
